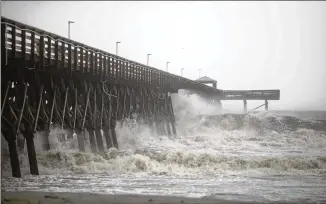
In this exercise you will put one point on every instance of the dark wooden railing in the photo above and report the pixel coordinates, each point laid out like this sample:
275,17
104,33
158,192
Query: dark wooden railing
58,53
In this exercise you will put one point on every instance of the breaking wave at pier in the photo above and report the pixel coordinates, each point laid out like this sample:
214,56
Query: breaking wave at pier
207,146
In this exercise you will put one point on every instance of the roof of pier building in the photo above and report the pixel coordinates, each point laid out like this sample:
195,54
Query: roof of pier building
205,79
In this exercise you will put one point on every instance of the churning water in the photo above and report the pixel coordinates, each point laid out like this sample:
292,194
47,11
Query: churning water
255,157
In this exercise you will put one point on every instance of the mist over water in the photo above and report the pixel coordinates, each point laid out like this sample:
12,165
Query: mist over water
260,156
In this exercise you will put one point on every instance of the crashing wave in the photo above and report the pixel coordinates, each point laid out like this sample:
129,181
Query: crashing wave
210,144
166,162
262,121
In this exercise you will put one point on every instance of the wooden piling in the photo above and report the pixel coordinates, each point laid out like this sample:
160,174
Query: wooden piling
80,138
266,105
156,115
70,133
92,141
29,136
172,119
166,116
113,134
99,139
108,138
162,118
46,140
245,106
48,125
10,136
14,160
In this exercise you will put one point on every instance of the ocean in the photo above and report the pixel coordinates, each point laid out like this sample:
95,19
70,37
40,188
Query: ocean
259,156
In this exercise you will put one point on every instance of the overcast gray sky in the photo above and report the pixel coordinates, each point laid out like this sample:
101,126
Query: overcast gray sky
243,45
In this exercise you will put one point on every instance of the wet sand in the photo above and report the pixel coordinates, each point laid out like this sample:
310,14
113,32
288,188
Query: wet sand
83,198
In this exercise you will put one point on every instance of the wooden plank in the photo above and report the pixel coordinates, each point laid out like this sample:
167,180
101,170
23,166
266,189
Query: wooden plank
137,73
81,58
13,45
91,62
49,50
123,70
3,42
56,55
132,72
118,69
95,70
165,77
23,48
42,50
33,47
170,81
76,58
109,67
142,72
101,65
146,75
114,66
63,55
105,68
129,71
86,68
70,57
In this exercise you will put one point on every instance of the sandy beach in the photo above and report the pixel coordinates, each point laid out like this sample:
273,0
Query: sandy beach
86,198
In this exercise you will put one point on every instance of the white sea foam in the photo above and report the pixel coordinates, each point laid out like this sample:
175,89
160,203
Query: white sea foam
228,156
206,145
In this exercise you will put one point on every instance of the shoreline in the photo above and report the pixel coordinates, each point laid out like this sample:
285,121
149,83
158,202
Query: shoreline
37,197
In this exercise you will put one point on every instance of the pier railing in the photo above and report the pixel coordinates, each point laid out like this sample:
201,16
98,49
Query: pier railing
251,95
56,53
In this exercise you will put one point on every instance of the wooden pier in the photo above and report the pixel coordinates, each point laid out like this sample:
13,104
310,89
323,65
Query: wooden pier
51,81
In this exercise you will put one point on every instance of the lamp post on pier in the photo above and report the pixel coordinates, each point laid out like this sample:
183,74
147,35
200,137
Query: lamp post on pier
116,47
167,66
69,22
148,58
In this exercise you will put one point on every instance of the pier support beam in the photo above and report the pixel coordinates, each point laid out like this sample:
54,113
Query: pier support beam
92,141
172,119
113,134
80,138
46,136
99,140
166,115
70,134
14,160
245,106
29,136
266,105
108,138
9,134
167,123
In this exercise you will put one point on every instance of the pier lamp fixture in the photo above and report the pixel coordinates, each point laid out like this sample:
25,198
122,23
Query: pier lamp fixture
69,22
116,47
148,58
167,65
